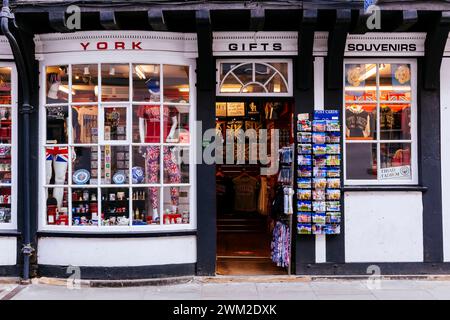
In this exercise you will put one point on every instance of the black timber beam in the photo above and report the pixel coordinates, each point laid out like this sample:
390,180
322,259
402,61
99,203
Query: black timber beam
206,78
434,49
257,19
108,20
408,19
156,20
206,174
360,26
336,48
305,58
57,21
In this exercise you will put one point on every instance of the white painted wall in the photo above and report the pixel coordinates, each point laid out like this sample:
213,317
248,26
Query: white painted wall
8,251
117,252
383,227
445,154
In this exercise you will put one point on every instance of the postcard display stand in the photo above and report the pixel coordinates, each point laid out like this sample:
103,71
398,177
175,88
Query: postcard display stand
319,173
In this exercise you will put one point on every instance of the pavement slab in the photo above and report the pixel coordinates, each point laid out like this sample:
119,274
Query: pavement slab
241,290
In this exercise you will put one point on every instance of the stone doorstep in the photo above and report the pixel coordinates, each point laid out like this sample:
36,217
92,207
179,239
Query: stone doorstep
115,283
9,280
225,280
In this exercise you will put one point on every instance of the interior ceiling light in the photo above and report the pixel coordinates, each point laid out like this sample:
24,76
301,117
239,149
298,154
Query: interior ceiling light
140,73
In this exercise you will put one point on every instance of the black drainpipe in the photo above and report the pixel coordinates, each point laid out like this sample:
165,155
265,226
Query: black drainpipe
27,249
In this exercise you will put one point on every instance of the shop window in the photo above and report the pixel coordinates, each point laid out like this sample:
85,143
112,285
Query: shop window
8,119
117,149
380,123
256,78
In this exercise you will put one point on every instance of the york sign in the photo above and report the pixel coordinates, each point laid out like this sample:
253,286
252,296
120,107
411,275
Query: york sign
117,45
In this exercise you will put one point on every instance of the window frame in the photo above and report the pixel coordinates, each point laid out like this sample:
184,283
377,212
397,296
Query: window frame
12,225
99,58
378,141
289,79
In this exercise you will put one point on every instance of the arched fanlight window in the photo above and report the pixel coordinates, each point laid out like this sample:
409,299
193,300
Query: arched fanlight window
265,78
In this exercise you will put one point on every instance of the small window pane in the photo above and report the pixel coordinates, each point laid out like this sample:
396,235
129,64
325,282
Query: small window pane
244,73
84,207
115,164
176,165
84,83
395,122
360,82
56,165
176,124
263,73
231,85
176,84
395,161
5,205
57,86
84,124
115,124
146,206
57,120
395,82
115,207
5,85
176,205
147,124
254,88
146,165
5,165
146,82
361,161
360,121
57,206
115,82
281,67
276,85
5,125
85,165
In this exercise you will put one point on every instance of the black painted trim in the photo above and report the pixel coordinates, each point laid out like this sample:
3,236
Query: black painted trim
429,131
335,244
303,246
113,235
360,269
10,271
386,188
206,174
120,273
10,233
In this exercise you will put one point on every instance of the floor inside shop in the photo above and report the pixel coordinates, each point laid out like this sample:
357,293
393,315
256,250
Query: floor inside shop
243,246
244,237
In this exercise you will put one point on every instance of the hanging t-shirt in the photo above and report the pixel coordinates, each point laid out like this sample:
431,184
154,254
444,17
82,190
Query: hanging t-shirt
357,122
56,124
152,117
245,188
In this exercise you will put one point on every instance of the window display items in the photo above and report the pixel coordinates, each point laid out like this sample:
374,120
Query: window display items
57,161
57,84
149,129
81,176
137,175
119,178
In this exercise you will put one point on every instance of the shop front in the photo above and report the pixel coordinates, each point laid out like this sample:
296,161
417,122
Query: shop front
204,149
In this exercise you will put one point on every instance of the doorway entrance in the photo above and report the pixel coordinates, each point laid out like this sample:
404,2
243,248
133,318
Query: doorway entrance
249,200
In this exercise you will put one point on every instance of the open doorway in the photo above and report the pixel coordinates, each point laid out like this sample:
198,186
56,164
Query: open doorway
248,199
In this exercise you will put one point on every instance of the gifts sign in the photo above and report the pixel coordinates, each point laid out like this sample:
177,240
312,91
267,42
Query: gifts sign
319,172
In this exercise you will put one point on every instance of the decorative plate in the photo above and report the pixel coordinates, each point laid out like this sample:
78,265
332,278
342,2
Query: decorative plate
81,176
138,174
119,178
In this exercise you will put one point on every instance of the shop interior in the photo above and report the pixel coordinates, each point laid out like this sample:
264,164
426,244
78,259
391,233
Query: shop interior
250,217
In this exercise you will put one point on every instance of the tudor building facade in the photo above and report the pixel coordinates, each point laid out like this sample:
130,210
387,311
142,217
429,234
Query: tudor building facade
106,172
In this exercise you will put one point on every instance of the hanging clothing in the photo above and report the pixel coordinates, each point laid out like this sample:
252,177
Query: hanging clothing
245,188
281,245
358,123
263,199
